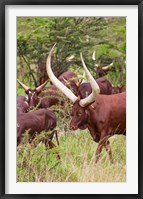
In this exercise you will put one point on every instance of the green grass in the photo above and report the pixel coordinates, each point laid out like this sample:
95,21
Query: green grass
37,163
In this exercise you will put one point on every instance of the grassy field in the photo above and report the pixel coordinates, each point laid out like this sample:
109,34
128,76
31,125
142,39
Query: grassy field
37,163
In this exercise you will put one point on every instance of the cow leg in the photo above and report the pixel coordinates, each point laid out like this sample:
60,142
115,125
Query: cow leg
108,149
57,137
52,145
102,141
52,135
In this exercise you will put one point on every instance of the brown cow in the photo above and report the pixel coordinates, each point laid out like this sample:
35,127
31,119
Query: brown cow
44,97
104,85
35,122
104,115
102,71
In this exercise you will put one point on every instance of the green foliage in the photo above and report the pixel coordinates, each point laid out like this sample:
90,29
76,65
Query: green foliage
105,35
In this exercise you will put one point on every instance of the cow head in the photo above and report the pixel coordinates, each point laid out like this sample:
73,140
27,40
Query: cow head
79,116
102,71
32,94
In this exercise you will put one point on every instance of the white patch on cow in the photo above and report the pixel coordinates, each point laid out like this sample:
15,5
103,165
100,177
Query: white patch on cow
32,95
86,93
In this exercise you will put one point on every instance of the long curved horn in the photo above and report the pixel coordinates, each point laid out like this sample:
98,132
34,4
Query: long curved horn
39,88
23,85
96,65
95,88
107,67
93,56
57,82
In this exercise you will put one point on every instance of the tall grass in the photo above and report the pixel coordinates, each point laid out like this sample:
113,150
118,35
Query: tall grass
38,163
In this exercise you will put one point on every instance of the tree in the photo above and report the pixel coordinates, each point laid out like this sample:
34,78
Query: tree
105,35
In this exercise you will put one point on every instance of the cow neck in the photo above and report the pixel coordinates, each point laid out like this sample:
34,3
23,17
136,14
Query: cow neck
90,125
89,107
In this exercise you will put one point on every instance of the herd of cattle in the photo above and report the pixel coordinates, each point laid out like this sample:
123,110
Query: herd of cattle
97,105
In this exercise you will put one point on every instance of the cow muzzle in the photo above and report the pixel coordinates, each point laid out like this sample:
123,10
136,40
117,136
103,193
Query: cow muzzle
73,127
